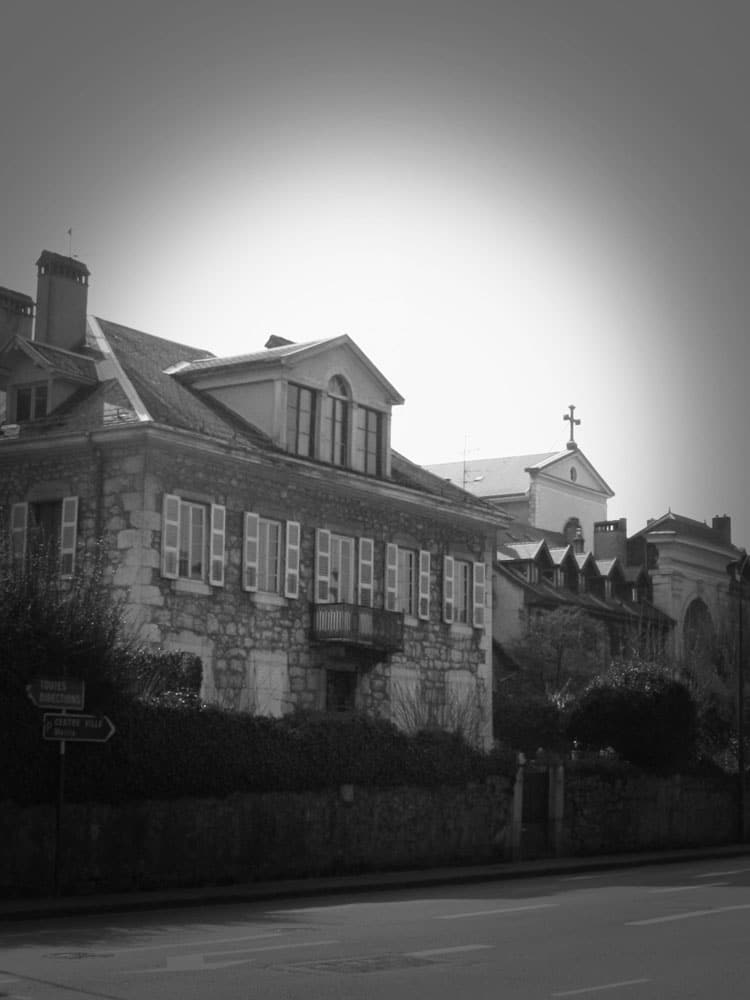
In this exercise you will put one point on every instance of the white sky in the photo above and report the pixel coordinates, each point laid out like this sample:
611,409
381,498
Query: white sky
509,206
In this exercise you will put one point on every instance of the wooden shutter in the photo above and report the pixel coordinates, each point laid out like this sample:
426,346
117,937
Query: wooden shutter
448,588
68,536
170,536
366,570
218,534
322,565
291,580
250,552
424,585
19,527
391,576
480,577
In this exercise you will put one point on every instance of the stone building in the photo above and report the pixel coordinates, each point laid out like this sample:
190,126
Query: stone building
251,510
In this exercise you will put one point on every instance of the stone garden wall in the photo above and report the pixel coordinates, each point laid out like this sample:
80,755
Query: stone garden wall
143,845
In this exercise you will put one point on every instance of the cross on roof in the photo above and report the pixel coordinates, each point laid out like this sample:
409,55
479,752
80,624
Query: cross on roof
574,421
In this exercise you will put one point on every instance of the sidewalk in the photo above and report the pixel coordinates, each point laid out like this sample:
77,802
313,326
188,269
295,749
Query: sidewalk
33,909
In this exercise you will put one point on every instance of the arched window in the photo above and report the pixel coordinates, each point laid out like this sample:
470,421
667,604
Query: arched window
336,422
698,635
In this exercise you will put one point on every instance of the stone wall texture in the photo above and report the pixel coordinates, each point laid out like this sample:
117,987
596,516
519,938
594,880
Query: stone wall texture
150,844
610,813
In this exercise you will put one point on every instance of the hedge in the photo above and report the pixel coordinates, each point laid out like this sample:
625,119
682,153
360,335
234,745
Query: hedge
168,752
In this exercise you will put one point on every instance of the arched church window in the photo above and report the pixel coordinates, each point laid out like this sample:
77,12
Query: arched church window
573,473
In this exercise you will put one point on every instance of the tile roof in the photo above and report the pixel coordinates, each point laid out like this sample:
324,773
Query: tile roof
678,524
493,476
144,358
76,365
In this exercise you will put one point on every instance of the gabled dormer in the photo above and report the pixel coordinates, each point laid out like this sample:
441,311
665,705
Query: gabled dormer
324,401
531,559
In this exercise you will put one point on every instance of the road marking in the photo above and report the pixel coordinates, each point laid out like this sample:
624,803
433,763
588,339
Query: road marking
503,909
201,961
604,986
195,944
686,888
431,952
733,871
577,878
688,915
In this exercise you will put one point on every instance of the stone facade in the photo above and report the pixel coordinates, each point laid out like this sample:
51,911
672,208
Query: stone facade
256,648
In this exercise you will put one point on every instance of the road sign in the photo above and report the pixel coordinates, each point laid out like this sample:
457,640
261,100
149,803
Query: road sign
77,728
57,692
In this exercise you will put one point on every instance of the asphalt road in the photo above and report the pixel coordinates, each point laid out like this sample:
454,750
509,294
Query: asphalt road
661,931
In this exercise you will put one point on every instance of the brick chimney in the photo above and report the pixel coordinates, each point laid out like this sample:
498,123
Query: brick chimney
723,526
16,315
61,296
611,540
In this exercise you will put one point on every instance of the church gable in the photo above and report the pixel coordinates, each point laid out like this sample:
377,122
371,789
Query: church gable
572,469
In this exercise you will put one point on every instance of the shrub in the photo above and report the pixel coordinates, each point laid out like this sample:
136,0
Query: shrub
648,717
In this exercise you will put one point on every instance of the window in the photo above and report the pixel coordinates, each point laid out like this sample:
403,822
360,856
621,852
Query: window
464,590
263,548
300,421
367,441
193,536
31,402
407,581
335,429
461,591
336,581
48,524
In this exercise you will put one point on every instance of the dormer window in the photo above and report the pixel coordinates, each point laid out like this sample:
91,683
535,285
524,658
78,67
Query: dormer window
335,430
300,420
31,402
368,435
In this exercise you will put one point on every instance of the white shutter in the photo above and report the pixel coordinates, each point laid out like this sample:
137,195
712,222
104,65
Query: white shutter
366,569
68,536
218,533
322,565
291,580
448,588
424,585
170,536
250,552
391,576
480,576
19,525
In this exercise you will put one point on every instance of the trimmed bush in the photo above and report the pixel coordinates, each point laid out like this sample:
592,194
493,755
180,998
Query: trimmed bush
646,716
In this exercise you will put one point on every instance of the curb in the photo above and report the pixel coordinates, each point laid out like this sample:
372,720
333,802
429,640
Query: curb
40,908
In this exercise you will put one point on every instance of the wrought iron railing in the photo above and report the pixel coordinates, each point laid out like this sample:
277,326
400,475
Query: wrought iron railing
359,626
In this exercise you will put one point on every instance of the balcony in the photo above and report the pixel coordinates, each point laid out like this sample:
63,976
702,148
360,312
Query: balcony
371,628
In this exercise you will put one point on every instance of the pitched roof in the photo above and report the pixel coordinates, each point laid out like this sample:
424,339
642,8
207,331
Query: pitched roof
282,353
678,524
493,476
144,359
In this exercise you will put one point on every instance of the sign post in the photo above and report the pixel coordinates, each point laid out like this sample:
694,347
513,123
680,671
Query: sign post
66,694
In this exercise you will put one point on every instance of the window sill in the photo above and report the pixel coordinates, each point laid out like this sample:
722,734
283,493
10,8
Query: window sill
268,600
411,620
461,629
191,587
